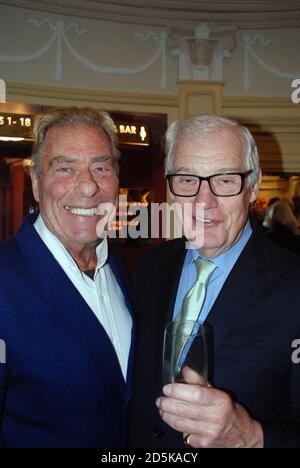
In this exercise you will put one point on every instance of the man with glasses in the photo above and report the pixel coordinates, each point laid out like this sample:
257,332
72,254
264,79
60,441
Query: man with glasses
221,185
250,300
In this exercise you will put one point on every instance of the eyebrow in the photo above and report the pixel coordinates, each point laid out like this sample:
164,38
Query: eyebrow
71,160
102,158
185,170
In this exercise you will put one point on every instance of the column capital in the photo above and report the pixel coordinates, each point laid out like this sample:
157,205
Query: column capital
201,54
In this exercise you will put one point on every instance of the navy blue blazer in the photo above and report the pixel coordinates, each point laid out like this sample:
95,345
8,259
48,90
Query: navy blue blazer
255,320
62,385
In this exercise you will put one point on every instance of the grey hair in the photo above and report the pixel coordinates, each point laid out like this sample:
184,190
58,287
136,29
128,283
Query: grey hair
68,117
200,125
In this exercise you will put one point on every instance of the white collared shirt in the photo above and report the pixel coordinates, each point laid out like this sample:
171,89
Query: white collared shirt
103,295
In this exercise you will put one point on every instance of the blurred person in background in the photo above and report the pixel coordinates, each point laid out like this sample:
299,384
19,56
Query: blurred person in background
266,221
283,226
296,200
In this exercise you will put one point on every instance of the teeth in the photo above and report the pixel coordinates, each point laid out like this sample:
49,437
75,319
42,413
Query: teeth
81,211
205,221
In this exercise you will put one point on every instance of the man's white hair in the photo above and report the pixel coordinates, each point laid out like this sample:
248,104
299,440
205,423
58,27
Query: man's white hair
199,126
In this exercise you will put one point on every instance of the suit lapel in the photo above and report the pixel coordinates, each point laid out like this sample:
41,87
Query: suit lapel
242,286
123,278
166,287
169,281
245,282
79,322
69,310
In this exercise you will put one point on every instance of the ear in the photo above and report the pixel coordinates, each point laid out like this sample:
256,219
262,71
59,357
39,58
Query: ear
35,185
255,190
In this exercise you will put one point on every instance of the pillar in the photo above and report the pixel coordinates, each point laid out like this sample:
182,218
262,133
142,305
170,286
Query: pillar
200,97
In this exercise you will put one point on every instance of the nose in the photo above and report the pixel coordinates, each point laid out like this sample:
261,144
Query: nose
206,197
87,187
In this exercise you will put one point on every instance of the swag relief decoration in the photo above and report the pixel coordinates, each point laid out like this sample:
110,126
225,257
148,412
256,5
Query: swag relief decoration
59,39
201,53
249,50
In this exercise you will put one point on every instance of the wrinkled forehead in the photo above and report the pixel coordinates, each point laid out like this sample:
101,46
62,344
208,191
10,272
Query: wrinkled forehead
75,140
79,130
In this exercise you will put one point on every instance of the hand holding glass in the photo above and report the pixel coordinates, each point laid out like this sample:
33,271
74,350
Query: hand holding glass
185,345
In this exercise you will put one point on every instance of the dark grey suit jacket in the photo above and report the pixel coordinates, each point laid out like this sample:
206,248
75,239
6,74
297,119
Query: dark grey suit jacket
255,319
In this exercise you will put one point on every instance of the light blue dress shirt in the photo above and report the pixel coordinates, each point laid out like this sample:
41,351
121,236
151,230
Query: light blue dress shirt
224,263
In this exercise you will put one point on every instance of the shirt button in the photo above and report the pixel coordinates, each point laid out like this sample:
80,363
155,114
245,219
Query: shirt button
158,433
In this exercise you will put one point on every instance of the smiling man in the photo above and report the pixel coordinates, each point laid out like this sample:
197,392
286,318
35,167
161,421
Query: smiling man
249,298
65,306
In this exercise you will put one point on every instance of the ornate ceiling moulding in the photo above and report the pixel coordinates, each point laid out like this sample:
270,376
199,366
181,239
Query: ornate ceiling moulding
184,14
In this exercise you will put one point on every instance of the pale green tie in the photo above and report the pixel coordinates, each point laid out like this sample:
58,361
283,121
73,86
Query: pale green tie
194,299
191,308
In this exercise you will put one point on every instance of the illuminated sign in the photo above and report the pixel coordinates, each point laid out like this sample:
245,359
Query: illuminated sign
16,125
133,134
20,126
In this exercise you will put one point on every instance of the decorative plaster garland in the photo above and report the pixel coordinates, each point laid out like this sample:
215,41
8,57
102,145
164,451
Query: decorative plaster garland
60,38
248,41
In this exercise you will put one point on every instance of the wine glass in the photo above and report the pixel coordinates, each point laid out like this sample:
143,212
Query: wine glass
185,345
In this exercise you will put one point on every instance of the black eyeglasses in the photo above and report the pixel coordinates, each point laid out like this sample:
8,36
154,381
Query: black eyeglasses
222,185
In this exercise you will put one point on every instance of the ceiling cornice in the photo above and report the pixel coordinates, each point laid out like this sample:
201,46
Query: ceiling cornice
182,14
